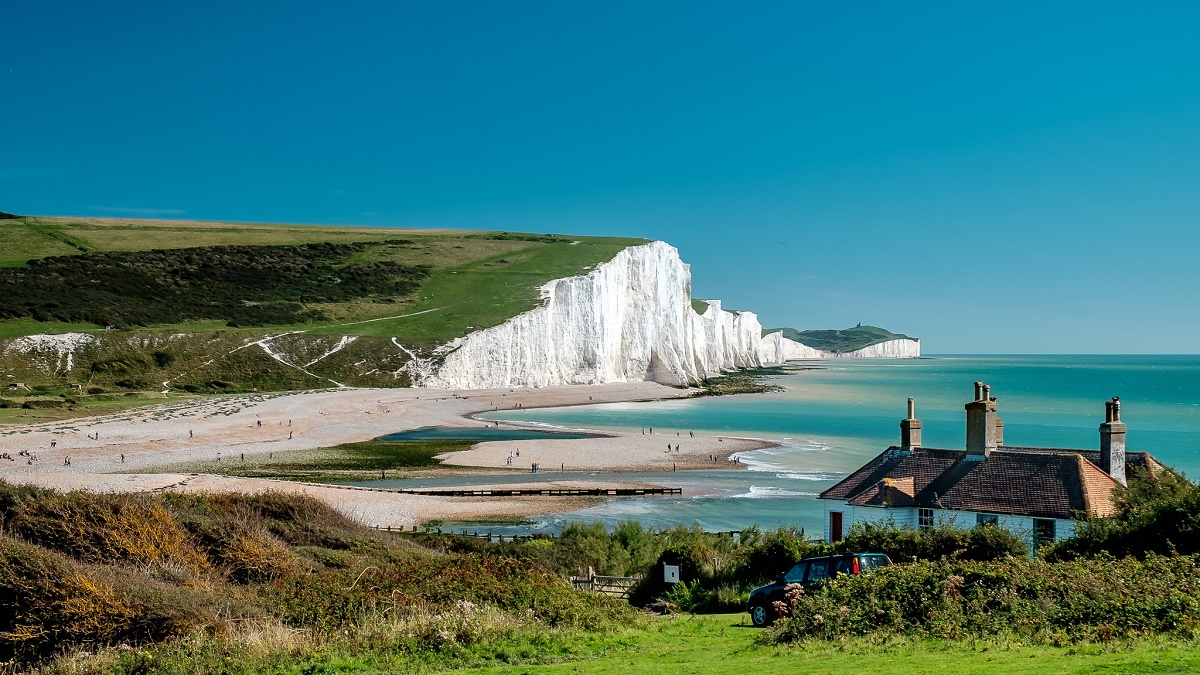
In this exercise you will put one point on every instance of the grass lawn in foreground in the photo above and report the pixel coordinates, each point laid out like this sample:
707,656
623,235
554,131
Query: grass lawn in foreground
723,643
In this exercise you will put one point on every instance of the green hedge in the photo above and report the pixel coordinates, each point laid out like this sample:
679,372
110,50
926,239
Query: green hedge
1077,601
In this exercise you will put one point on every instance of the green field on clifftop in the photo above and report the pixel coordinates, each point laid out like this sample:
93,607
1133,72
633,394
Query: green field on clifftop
474,279
184,297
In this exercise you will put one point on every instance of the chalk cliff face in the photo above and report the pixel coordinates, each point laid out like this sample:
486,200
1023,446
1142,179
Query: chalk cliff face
630,319
776,349
892,349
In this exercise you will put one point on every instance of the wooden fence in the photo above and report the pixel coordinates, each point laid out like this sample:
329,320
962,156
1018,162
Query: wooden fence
617,587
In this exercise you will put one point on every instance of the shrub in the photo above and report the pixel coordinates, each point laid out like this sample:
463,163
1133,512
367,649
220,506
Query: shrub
1159,514
903,544
47,598
242,285
40,404
102,528
1077,601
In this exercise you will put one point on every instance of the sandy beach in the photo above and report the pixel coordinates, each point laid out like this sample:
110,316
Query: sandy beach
134,451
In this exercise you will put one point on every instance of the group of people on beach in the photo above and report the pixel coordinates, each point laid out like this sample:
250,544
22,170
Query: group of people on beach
30,458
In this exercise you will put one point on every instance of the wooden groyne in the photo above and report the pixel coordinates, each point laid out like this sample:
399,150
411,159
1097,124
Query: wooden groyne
547,492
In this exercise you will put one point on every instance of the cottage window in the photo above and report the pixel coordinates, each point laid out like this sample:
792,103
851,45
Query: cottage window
1043,532
987,519
924,518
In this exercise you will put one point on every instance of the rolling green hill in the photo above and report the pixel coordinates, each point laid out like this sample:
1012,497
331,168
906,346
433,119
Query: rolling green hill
177,301
839,341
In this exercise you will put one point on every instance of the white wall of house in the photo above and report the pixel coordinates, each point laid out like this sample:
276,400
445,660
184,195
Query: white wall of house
907,517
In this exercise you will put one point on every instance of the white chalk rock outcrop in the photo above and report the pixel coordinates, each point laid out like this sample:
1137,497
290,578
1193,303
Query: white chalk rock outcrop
630,319
52,353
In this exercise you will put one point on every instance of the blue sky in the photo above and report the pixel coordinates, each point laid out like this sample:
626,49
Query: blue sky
1014,177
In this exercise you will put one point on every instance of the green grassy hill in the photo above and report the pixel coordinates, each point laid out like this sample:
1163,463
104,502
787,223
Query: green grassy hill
839,341
179,298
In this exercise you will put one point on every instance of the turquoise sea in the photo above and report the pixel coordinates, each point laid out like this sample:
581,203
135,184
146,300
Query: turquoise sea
835,415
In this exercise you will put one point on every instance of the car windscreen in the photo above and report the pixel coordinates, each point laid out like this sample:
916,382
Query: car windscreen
870,562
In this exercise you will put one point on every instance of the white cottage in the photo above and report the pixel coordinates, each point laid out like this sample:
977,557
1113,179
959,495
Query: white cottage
1039,493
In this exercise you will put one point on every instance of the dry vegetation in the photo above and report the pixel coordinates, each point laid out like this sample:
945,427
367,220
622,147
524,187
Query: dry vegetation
115,572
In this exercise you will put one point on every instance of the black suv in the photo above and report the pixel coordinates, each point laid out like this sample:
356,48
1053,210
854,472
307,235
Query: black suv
806,573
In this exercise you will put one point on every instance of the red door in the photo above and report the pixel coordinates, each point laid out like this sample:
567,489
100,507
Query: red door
835,526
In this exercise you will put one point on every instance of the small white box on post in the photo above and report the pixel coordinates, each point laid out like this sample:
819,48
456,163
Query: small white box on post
671,574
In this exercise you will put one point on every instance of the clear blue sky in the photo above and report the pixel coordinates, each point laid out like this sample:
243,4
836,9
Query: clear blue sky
1019,177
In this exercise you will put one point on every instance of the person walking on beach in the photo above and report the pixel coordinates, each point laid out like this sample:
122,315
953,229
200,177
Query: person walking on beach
191,434
122,458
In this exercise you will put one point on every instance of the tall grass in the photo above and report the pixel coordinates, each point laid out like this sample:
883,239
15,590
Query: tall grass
170,577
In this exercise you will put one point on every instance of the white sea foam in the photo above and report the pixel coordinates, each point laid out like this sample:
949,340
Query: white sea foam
817,475
783,458
769,492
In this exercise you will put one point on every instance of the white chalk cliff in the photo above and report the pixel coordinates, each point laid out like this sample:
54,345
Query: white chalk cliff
891,349
629,319
776,349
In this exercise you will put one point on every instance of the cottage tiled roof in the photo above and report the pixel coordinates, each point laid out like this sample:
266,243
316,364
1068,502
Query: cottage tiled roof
1038,482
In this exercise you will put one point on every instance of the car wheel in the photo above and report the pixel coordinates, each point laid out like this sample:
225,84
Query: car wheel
761,616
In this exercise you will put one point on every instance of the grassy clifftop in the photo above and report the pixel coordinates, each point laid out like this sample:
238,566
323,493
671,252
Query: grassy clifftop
183,296
469,280
839,341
